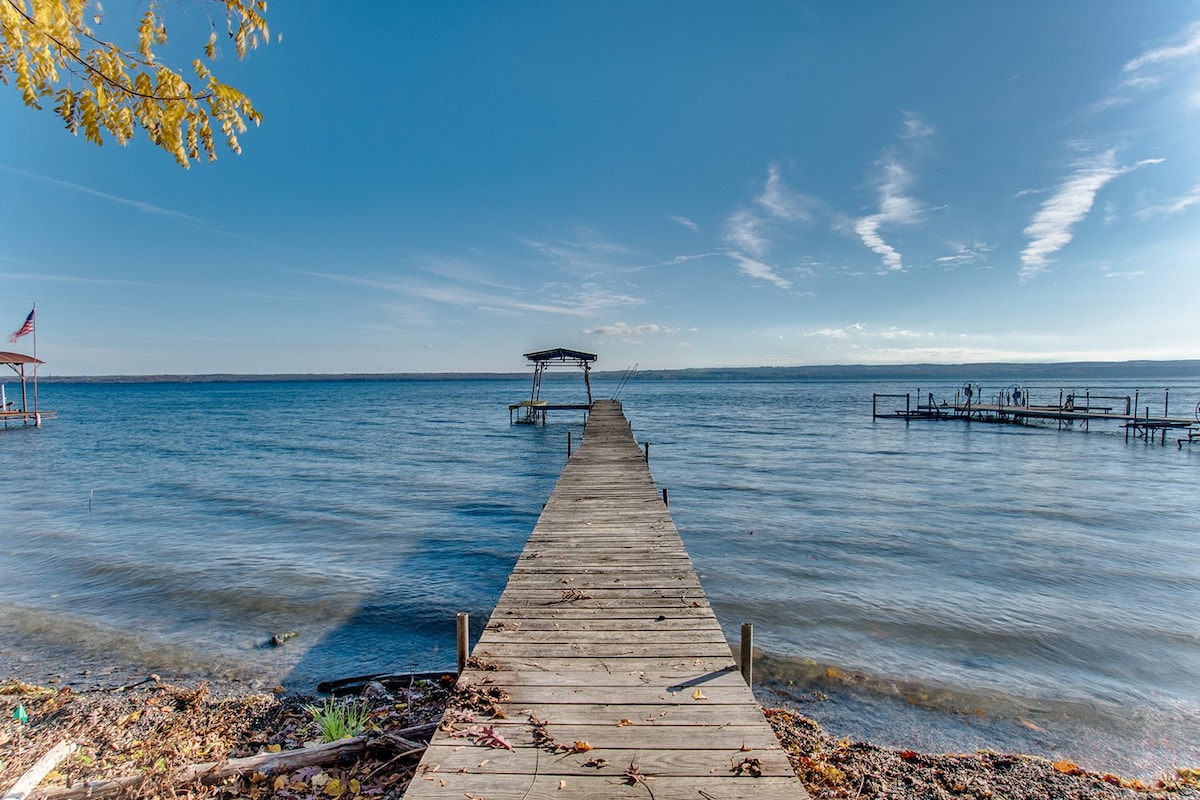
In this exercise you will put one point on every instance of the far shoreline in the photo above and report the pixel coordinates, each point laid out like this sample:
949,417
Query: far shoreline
1016,371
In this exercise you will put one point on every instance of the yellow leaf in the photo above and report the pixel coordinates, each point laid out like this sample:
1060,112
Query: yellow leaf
625,723
274,748
699,695
333,788
581,747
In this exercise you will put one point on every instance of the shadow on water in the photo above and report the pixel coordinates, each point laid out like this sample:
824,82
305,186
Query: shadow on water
458,561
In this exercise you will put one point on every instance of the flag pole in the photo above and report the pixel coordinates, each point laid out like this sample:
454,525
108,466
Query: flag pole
35,366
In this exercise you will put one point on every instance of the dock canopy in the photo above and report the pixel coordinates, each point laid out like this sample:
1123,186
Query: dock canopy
560,354
13,359
8,412
534,409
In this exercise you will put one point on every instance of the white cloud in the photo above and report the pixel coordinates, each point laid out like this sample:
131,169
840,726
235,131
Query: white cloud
837,333
1151,69
1188,47
757,269
915,127
896,208
1171,206
744,231
964,254
780,201
748,229
628,331
685,222
1050,229
140,205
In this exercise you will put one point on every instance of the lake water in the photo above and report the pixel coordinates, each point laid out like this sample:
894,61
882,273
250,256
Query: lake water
944,586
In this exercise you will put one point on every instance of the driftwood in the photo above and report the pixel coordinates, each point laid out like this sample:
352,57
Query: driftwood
34,775
390,680
285,761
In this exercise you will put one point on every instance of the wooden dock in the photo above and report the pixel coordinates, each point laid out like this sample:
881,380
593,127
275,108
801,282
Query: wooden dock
1081,409
603,666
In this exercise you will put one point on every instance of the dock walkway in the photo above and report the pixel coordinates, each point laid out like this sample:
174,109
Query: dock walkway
603,665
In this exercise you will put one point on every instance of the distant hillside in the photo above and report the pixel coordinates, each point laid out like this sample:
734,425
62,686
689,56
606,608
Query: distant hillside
1081,370
1018,372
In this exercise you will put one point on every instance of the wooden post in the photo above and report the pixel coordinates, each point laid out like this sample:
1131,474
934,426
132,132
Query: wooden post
568,444
464,637
647,445
748,652
665,501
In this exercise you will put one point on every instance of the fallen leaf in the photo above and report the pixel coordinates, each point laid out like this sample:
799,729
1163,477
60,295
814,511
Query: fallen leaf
699,695
625,723
488,737
1067,767
581,746
562,785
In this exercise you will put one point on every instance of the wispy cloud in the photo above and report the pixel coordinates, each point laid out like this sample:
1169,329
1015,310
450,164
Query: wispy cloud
1187,47
1153,68
1171,207
584,251
780,202
915,127
896,208
750,229
964,254
1051,227
837,333
147,208
744,231
685,222
628,333
757,269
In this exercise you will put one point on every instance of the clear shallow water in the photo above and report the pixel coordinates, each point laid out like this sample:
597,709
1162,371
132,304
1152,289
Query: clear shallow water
936,585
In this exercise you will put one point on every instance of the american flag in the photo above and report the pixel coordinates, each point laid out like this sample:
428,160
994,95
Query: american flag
24,329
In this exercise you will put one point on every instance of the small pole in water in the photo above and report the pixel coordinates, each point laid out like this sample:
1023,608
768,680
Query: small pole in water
464,627
748,652
647,445
568,444
665,501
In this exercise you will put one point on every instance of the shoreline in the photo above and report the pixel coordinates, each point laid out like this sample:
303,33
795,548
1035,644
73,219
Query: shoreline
838,703
155,729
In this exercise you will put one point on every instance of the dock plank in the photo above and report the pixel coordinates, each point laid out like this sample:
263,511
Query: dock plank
604,635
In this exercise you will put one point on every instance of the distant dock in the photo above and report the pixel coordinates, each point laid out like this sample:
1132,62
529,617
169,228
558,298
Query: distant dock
1015,406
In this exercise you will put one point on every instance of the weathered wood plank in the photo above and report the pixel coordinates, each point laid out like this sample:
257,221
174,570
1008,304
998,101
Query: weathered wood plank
604,635
606,762
453,786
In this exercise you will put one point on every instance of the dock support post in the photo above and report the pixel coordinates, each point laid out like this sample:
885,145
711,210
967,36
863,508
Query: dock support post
748,652
464,636
666,502
647,446
568,444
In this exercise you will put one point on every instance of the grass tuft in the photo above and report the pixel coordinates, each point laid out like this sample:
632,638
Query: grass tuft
336,720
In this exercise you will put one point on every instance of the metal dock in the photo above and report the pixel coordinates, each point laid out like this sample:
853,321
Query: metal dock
603,667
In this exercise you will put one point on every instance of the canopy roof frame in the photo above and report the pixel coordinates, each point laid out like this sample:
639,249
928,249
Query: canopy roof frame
559,357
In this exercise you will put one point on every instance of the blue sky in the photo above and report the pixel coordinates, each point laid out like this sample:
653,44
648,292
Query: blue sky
444,186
